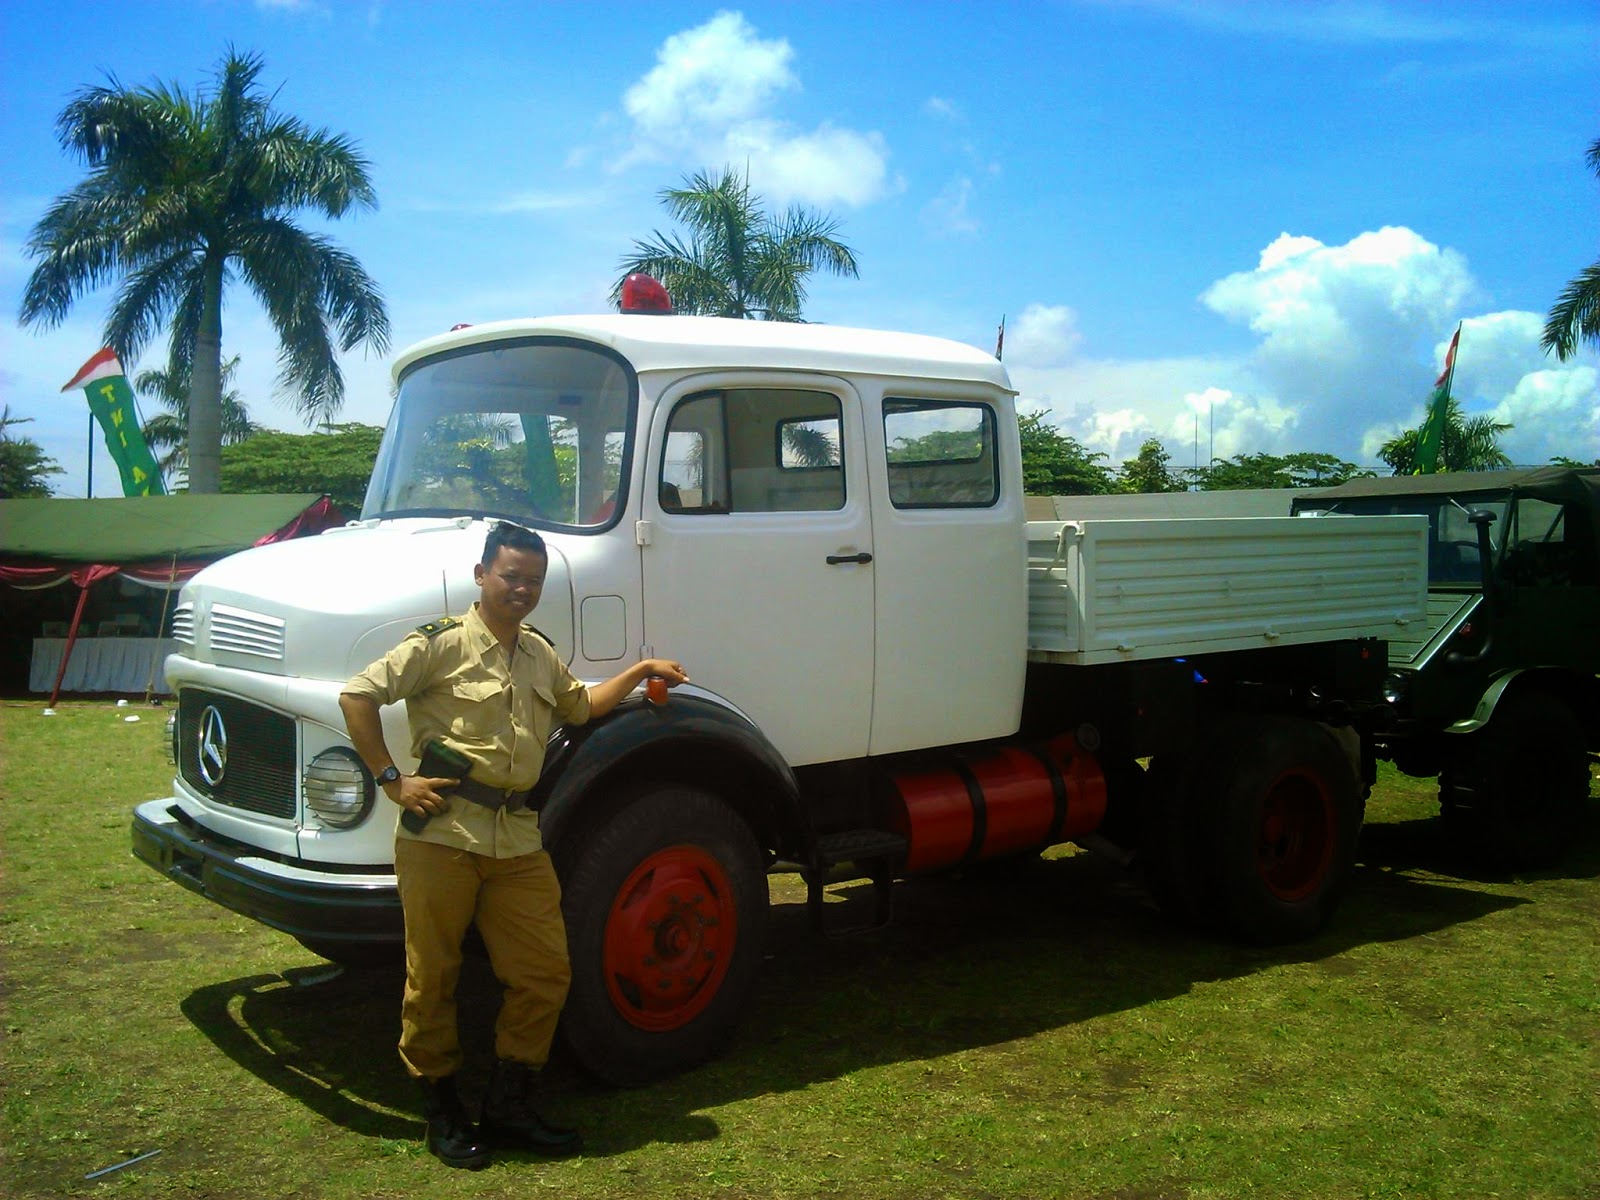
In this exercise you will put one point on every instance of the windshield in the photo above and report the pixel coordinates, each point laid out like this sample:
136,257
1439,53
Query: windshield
539,431
1452,539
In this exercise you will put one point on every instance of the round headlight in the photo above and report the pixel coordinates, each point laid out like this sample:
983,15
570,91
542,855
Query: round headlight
339,788
1394,687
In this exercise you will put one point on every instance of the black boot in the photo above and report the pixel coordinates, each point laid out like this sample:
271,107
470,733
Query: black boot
451,1137
509,1120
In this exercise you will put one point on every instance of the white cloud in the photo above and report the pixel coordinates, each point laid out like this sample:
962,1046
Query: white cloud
1553,412
948,213
830,166
938,106
1349,339
1340,326
715,75
1045,335
710,101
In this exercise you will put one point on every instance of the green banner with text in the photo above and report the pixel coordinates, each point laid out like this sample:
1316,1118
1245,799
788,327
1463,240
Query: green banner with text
111,402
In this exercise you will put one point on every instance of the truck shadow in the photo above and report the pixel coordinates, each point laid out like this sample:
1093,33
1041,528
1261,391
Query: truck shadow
966,963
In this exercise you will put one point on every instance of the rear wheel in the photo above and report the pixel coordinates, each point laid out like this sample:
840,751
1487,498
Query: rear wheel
1514,791
1256,837
666,909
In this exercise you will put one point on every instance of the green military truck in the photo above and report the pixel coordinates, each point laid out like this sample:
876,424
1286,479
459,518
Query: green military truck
1497,693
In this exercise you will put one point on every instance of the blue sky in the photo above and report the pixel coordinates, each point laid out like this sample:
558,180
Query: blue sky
1261,220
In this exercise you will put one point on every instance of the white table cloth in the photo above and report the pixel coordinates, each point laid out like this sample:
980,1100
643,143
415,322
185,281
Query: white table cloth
109,664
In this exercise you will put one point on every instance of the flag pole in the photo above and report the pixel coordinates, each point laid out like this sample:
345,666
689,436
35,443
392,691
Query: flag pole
90,495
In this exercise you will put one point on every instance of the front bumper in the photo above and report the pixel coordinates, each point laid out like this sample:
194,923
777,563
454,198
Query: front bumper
306,902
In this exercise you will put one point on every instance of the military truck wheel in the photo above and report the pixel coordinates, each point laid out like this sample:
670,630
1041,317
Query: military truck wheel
1514,792
666,910
1256,836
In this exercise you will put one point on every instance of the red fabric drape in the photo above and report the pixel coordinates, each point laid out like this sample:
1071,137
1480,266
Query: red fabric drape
324,514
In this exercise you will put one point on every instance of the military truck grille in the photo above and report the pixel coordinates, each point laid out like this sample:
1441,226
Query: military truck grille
258,767
244,632
183,624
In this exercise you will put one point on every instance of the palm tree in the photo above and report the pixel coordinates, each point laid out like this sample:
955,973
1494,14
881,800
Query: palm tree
738,261
167,433
184,195
1466,444
1576,316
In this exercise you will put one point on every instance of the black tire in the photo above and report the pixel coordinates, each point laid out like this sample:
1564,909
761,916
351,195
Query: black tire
1513,793
358,955
666,911
1257,837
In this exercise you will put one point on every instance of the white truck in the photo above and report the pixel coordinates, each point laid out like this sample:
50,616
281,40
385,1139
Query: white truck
894,671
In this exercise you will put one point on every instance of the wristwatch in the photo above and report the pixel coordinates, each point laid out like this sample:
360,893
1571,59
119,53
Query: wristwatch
388,775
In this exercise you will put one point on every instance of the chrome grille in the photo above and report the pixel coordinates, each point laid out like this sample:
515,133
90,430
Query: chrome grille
259,775
183,624
243,632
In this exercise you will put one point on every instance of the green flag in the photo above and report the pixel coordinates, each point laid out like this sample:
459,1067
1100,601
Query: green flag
1438,409
111,401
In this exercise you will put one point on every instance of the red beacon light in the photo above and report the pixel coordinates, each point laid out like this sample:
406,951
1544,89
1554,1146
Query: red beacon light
643,295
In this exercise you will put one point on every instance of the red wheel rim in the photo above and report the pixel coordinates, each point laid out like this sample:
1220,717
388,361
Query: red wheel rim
669,937
1298,831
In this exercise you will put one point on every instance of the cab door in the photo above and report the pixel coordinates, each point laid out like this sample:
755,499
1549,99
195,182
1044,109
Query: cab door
756,543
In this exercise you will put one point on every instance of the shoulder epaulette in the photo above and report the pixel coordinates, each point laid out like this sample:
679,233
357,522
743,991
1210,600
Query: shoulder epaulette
541,635
434,628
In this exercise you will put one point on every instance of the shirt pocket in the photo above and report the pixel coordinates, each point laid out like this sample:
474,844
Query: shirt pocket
538,708
478,710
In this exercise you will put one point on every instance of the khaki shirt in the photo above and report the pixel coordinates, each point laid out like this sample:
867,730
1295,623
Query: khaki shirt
459,687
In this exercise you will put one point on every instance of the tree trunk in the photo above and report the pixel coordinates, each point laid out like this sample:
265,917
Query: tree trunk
205,390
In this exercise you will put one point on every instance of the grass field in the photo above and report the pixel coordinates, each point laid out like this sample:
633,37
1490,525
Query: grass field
1046,1037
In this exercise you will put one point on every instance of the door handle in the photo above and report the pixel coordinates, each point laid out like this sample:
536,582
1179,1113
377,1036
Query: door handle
835,559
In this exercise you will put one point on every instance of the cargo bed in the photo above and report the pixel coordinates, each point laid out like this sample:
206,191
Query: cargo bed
1102,591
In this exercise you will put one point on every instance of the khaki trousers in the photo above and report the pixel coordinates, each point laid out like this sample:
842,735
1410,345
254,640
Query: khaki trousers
516,903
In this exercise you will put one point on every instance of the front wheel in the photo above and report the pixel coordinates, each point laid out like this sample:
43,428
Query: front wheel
1514,791
666,911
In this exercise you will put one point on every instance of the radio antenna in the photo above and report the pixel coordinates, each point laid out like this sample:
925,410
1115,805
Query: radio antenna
444,586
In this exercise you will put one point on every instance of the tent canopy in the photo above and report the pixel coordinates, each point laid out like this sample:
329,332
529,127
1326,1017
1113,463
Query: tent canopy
130,529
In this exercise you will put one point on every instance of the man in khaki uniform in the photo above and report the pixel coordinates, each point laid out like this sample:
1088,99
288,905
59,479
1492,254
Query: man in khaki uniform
468,850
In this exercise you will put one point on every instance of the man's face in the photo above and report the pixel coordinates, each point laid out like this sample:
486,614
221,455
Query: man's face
510,586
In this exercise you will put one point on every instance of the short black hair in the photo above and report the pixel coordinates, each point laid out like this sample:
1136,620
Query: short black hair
512,536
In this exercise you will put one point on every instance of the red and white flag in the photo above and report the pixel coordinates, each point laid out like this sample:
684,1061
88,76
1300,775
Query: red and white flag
102,366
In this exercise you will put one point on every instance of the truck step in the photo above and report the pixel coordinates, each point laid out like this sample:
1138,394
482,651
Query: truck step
875,854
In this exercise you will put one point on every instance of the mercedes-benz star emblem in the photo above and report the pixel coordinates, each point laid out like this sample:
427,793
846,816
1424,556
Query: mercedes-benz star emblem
213,749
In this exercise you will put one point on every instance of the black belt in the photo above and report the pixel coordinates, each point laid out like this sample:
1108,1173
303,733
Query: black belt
493,797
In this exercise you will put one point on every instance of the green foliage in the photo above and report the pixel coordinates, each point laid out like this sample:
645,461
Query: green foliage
167,433
1040,1035
942,445
1054,464
1148,471
1576,315
23,462
186,192
738,261
1561,460
1467,444
338,462
1302,469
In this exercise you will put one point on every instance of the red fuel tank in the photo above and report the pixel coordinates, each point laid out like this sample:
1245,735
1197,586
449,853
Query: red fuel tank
1001,801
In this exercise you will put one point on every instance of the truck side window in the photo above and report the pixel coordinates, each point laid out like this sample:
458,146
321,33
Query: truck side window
754,450
941,454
